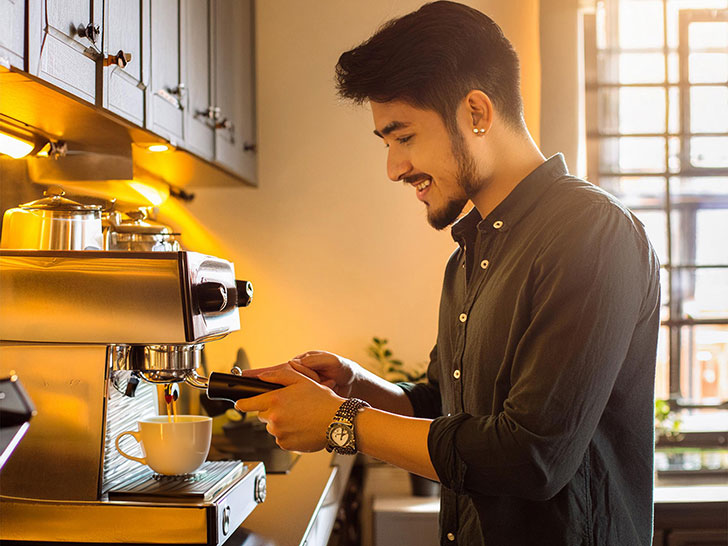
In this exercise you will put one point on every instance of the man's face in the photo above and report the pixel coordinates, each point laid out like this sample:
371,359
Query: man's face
424,154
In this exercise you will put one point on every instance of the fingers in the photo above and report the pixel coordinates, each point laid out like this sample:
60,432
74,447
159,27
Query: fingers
258,372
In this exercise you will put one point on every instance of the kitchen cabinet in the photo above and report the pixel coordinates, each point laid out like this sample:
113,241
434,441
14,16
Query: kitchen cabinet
200,112
125,71
167,87
64,43
12,33
183,70
233,70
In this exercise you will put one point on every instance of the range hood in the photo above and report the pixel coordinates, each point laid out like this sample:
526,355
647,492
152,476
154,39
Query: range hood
101,146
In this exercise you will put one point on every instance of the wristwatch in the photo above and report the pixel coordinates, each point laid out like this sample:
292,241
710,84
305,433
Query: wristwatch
340,436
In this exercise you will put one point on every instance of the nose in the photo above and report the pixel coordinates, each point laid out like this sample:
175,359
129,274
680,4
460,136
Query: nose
398,163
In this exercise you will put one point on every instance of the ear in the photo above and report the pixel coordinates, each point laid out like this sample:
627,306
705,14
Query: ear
480,110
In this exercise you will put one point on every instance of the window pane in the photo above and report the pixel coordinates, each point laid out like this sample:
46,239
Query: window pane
640,24
673,146
641,110
704,352
708,35
705,292
709,152
712,229
708,67
633,154
673,68
709,109
674,100
632,110
699,186
640,68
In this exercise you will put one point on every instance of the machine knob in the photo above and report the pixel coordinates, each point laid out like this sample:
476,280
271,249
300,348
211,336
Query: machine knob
244,293
212,297
260,490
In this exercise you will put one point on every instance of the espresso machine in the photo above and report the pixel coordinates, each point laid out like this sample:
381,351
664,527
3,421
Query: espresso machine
92,334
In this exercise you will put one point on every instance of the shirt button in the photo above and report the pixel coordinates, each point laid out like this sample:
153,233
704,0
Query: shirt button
484,264
497,224
451,537
463,317
456,374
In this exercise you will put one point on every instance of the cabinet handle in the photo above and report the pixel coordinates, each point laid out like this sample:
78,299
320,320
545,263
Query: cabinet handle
213,119
121,59
90,31
178,91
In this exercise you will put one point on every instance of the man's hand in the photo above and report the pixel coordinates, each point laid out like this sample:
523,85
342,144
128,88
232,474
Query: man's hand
299,413
336,372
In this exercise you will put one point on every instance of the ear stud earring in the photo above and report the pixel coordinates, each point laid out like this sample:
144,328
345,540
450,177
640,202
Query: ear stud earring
479,132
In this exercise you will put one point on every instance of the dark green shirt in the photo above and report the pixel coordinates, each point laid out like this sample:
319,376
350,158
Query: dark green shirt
542,379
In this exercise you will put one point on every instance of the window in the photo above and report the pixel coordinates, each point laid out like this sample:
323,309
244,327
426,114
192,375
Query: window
657,138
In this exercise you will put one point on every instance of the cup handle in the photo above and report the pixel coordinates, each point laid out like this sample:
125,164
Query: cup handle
118,447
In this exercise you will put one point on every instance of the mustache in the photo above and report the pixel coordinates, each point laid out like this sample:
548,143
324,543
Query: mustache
415,178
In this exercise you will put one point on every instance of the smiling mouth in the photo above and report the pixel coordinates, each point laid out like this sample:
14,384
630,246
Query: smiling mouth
423,185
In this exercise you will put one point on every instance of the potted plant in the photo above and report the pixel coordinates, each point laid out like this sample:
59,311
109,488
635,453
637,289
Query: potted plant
394,370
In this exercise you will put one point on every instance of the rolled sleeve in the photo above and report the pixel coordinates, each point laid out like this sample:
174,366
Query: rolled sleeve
449,465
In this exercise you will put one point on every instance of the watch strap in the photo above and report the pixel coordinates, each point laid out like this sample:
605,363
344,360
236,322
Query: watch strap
347,413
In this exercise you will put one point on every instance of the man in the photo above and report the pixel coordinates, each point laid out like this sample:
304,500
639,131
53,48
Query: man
537,415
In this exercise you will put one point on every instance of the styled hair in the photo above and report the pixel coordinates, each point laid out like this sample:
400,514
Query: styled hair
431,59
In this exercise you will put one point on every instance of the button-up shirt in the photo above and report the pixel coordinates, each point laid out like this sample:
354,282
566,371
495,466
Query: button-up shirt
542,378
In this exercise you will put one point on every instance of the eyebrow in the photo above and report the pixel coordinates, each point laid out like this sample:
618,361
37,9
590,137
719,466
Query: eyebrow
393,126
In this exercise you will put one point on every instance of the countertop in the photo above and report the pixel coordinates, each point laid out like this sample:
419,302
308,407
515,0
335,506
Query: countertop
300,506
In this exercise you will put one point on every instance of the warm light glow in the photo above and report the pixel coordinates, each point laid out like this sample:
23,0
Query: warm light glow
44,151
158,148
152,194
14,147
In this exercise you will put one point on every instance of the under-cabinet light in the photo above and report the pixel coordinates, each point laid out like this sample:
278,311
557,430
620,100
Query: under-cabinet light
14,147
158,148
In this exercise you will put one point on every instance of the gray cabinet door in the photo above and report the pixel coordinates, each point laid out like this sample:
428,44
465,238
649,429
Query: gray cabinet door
200,136
56,52
12,33
235,86
126,32
167,85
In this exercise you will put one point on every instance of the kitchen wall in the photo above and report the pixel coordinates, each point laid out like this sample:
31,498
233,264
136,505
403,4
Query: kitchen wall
337,253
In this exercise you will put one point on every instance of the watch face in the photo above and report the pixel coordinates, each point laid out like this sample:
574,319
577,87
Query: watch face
340,435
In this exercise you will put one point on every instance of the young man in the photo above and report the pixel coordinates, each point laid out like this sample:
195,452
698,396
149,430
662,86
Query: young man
537,415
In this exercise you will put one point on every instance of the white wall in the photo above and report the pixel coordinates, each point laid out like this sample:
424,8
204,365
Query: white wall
337,253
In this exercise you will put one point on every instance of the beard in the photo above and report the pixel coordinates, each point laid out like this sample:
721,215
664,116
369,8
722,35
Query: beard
466,179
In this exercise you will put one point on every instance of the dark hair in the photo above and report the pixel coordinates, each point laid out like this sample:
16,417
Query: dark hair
432,58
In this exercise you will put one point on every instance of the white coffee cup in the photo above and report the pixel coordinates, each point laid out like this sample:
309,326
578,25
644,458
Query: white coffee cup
172,447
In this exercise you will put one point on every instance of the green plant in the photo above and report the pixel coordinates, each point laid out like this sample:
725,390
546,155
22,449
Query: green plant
390,368
667,424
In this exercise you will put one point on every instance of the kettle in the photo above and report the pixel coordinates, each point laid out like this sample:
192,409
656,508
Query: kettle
52,223
135,232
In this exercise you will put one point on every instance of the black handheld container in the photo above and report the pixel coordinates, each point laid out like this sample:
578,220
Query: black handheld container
227,386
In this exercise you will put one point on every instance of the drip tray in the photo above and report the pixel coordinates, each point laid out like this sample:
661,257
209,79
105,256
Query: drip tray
210,479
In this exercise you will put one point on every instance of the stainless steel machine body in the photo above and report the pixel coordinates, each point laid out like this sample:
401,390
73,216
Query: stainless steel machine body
81,328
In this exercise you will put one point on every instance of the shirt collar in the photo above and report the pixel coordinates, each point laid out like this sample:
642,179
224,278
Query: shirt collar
516,204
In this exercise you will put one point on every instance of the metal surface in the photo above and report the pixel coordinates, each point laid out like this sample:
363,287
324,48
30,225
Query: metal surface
110,297
52,223
60,456
110,522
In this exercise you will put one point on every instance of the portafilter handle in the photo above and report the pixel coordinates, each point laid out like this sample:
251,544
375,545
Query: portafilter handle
225,386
